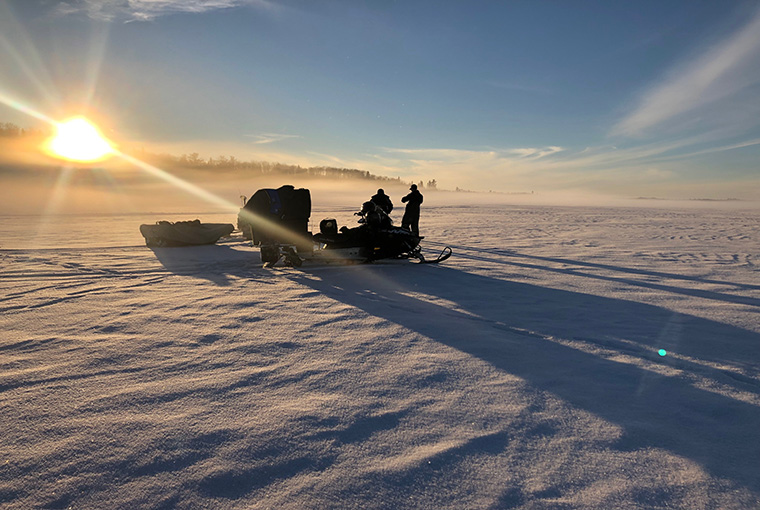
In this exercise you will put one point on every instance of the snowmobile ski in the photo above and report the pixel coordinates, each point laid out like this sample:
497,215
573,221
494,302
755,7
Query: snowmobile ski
445,254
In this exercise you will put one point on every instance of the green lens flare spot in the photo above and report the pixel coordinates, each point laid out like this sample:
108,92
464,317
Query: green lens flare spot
662,352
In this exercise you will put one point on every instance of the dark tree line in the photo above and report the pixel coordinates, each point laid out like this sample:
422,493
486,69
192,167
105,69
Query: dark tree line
10,130
226,163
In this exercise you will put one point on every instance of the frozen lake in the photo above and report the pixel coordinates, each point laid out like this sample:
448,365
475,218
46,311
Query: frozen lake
524,372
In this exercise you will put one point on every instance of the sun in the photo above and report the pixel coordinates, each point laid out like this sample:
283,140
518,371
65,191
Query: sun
79,140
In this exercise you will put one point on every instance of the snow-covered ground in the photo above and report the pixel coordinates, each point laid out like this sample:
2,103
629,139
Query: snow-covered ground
524,372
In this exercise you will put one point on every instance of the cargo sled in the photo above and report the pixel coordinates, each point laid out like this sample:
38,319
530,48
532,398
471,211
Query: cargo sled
184,233
277,220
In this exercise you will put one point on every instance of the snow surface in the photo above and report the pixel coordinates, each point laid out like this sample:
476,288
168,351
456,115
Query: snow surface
521,373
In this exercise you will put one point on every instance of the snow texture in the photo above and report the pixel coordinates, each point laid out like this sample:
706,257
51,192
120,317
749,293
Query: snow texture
523,372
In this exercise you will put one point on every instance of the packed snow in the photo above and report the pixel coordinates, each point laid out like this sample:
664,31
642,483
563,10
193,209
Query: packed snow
563,357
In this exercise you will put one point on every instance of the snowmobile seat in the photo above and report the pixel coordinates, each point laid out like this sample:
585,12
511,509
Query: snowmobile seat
328,227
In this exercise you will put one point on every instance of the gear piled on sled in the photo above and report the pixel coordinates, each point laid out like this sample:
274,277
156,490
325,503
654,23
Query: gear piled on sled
277,220
184,233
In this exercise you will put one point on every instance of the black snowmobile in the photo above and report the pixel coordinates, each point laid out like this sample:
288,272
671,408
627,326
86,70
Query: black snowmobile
277,221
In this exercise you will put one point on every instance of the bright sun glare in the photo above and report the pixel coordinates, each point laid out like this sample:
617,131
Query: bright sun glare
78,139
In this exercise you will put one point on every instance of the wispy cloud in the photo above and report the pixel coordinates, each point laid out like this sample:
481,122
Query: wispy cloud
145,10
726,70
474,169
534,153
638,169
265,138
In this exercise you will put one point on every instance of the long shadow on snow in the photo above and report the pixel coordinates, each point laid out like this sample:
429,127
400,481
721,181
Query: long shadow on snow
582,263
212,262
511,326
576,271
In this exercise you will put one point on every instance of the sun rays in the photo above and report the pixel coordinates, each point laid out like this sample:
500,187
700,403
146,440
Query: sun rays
83,153
79,143
82,148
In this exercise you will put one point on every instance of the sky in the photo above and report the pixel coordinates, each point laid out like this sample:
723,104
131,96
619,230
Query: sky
643,98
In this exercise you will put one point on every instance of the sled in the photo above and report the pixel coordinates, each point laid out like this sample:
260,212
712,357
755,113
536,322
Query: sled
184,233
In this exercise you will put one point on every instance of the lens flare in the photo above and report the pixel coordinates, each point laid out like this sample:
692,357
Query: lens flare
79,140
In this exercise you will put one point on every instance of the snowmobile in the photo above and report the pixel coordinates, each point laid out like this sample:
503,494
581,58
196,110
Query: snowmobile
277,221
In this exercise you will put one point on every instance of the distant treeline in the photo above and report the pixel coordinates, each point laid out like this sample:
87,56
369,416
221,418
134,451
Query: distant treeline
231,163
10,130
225,163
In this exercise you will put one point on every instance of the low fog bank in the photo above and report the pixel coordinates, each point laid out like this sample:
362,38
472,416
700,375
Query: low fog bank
351,195
44,190
33,183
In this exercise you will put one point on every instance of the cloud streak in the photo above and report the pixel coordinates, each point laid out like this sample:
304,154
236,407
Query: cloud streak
534,153
639,169
146,10
266,138
726,70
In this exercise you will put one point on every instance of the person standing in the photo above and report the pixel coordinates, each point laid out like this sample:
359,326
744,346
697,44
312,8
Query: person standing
411,219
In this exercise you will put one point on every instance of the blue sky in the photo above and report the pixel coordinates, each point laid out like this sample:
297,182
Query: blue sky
627,98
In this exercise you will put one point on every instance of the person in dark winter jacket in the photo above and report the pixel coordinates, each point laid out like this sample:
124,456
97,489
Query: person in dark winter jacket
374,216
383,201
411,219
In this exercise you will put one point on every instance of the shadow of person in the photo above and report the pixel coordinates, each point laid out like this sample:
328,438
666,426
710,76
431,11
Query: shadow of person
556,340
